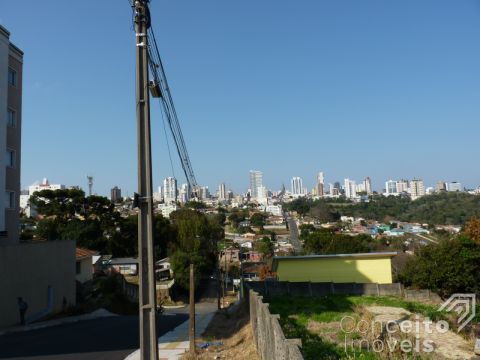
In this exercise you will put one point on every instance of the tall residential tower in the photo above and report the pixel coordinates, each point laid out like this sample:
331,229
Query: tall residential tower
256,181
11,65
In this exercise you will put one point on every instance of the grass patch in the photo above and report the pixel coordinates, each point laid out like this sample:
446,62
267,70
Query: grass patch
295,313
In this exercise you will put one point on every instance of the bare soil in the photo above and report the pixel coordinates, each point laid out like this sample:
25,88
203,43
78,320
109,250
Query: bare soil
234,331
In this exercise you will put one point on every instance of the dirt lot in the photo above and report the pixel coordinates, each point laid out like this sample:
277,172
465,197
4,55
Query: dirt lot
234,332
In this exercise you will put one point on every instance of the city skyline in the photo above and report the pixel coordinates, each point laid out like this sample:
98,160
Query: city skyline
388,187
357,89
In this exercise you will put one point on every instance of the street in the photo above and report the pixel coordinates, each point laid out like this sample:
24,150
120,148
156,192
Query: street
294,240
110,338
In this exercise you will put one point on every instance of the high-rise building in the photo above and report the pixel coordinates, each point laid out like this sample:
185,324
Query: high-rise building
222,192
256,181
391,188
184,194
297,186
454,186
115,194
319,189
320,186
204,193
11,70
417,189
170,190
367,184
402,186
350,189
337,186
321,178
441,186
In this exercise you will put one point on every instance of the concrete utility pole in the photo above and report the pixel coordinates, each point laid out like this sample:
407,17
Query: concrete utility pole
191,329
147,303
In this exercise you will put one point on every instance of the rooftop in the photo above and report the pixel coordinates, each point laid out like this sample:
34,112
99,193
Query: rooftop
276,259
82,253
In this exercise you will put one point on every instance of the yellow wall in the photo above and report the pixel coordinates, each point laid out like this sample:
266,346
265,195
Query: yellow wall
377,270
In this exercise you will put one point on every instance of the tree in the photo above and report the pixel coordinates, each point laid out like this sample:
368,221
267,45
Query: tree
196,205
47,229
93,223
451,266
236,217
265,246
323,212
472,229
326,241
257,219
195,242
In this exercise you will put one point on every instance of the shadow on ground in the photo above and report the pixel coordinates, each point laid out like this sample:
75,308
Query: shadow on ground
106,338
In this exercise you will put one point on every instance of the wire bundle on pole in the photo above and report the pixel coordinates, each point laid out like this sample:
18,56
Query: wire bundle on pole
165,97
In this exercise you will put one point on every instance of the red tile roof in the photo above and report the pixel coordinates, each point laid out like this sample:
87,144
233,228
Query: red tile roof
82,253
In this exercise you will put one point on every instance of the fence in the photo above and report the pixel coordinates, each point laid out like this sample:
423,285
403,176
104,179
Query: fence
279,288
130,290
270,341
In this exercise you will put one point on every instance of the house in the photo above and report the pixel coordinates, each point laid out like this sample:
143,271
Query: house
83,264
338,268
229,256
253,256
163,270
252,270
124,266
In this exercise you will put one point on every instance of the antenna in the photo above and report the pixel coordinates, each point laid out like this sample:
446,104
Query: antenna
90,184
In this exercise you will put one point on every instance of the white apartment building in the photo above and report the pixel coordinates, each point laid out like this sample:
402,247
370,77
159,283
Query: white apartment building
391,188
222,192
275,210
167,209
367,184
256,181
297,186
170,190
403,186
44,185
184,194
417,189
350,189
454,186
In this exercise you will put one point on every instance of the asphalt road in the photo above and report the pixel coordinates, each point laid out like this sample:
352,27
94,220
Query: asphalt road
101,339
294,240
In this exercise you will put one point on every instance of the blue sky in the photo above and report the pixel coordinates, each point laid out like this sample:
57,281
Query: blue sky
356,88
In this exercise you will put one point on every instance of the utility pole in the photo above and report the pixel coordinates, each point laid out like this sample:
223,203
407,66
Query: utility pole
191,329
147,301
217,275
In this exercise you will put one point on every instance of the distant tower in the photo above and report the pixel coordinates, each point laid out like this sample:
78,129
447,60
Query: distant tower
90,184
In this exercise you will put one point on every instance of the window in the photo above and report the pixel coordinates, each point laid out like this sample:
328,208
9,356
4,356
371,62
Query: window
11,118
9,200
10,158
12,77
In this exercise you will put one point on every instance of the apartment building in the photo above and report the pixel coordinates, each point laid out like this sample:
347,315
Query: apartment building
11,63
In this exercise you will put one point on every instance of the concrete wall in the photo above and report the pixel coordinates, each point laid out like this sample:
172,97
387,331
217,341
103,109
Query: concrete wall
86,270
282,288
4,51
28,270
270,341
338,270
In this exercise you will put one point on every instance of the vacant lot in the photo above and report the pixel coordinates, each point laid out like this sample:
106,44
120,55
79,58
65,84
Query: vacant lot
345,327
